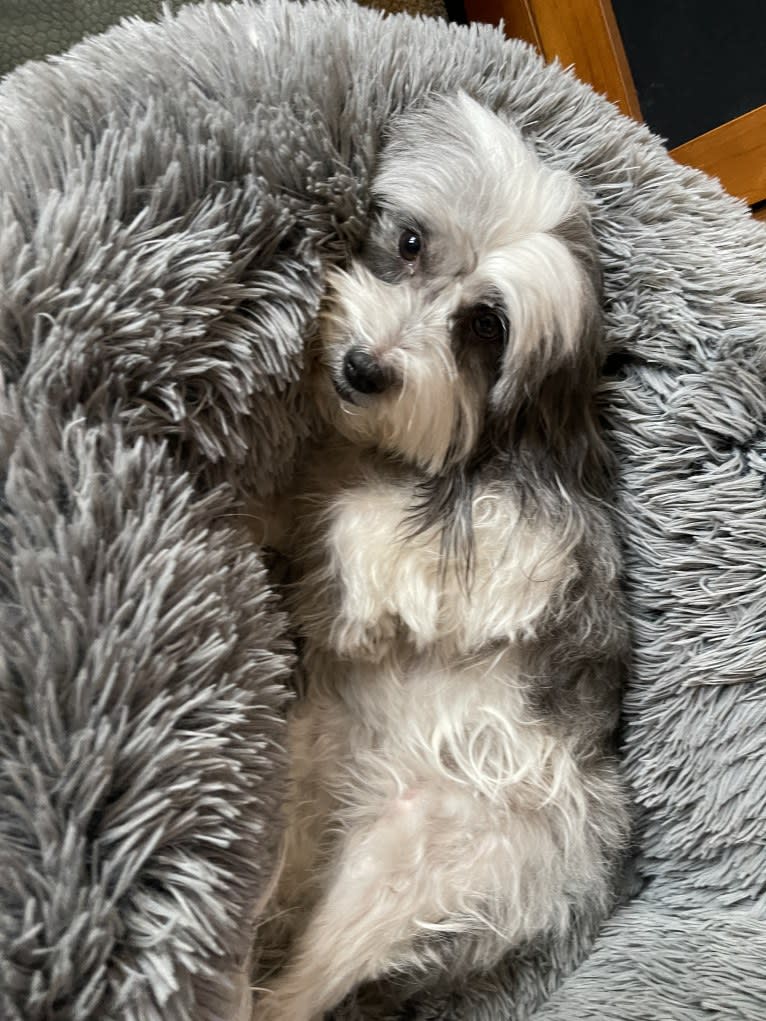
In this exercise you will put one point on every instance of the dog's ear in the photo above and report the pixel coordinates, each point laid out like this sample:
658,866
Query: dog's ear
542,410
551,432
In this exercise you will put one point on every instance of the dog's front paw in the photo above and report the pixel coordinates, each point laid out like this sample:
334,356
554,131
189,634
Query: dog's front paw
361,638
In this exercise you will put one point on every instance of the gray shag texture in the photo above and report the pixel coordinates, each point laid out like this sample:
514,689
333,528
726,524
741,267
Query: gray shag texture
170,197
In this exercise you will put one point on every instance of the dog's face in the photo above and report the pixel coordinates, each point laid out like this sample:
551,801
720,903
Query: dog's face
473,289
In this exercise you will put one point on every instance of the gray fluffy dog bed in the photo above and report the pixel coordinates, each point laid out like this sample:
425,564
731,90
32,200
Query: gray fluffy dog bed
171,196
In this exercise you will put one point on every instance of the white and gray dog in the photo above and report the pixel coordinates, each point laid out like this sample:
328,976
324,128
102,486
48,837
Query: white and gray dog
453,795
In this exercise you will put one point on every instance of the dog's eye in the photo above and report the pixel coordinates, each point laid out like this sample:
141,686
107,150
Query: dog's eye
409,245
487,325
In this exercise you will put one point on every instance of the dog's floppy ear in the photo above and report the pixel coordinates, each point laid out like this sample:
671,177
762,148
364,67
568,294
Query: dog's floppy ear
552,433
542,409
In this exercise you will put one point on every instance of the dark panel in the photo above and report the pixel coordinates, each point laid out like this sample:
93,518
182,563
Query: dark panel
696,65
33,29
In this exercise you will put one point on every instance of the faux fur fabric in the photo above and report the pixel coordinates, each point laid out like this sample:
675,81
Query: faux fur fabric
171,196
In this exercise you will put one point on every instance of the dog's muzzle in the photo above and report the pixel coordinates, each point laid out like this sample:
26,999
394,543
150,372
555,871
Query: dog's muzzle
362,373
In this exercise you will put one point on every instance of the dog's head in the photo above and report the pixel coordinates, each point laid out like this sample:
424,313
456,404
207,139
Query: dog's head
468,322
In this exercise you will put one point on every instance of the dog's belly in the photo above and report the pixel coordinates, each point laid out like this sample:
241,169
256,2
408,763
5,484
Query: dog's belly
461,795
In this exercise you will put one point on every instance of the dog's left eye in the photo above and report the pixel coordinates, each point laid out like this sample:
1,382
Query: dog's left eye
487,325
409,245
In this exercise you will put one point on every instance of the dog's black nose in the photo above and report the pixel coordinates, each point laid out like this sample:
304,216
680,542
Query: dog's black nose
362,372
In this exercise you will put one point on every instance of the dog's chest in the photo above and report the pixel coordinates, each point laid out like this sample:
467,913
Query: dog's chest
393,584
415,674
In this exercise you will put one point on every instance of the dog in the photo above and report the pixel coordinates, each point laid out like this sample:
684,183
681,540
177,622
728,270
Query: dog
456,582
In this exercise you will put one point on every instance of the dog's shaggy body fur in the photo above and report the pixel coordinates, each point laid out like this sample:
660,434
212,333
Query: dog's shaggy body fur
452,795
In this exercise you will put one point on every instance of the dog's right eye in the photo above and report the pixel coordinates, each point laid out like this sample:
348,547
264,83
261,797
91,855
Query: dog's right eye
487,325
409,245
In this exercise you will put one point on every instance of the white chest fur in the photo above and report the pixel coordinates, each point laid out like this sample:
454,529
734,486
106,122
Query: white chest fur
390,581
420,663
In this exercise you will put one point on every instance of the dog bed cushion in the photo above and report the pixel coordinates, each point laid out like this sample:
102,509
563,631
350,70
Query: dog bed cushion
171,197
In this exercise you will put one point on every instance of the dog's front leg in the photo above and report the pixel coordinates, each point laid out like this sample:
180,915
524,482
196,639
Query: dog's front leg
386,579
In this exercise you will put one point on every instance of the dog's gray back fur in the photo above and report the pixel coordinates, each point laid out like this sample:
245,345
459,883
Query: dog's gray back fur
170,196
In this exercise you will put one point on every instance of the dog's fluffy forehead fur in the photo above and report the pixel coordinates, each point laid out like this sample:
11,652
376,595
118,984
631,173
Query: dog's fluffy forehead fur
499,231
457,158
